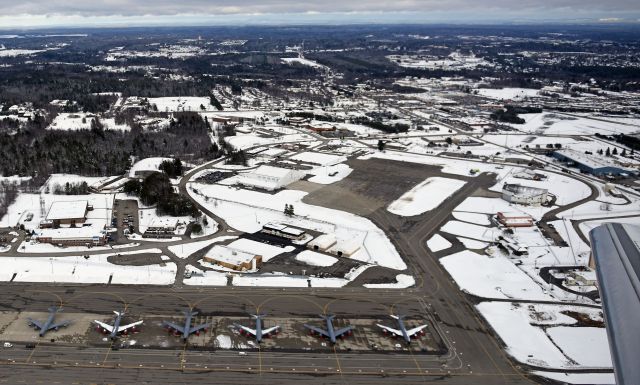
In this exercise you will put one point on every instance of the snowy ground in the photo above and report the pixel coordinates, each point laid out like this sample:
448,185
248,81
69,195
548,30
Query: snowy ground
82,121
492,277
518,327
77,269
437,243
587,346
304,62
507,93
323,175
425,196
186,249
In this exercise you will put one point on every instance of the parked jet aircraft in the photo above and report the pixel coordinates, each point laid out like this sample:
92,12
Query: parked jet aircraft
49,323
330,333
115,329
402,330
259,333
187,329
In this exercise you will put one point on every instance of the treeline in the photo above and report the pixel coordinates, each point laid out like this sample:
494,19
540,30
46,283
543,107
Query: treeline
70,188
510,114
378,125
156,189
96,152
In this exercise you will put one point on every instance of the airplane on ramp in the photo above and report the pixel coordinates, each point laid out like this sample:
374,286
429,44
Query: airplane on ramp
187,329
402,330
116,329
49,323
259,332
331,333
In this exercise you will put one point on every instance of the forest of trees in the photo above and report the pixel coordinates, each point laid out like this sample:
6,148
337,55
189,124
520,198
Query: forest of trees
156,189
38,152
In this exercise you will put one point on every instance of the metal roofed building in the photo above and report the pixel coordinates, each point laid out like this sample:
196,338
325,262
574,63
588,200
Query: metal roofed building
524,195
68,212
616,253
593,164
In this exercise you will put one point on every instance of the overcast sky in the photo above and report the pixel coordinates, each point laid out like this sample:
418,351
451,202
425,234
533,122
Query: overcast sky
30,13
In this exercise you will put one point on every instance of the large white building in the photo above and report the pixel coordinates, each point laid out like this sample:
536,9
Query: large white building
524,195
270,178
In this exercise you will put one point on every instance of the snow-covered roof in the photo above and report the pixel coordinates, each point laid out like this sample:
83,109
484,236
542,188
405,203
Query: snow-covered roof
275,172
82,232
164,222
67,210
324,241
591,161
229,255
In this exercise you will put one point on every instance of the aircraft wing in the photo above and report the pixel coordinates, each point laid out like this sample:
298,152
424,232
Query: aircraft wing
247,329
391,330
125,327
270,330
198,328
317,330
342,331
412,332
60,325
105,326
174,326
38,324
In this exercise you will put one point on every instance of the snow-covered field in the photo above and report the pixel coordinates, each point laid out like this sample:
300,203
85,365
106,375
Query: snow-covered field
182,103
329,174
464,229
488,277
478,219
426,196
519,327
437,243
82,121
77,269
508,93
304,62
525,343
587,346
